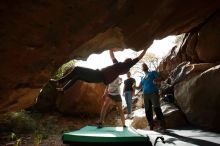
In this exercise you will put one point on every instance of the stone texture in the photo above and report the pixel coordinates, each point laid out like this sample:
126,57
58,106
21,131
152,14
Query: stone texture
139,121
81,99
183,52
198,98
200,45
19,99
208,47
182,72
37,36
173,116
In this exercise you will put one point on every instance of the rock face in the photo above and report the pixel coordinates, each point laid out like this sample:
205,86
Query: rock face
201,45
195,83
38,36
19,99
208,47
139,121
182,72
173,117
82,99
198,97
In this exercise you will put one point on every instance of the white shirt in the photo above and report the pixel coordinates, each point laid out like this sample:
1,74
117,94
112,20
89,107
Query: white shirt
114,87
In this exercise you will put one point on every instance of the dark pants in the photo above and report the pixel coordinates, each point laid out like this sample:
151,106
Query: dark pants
149,100
81,73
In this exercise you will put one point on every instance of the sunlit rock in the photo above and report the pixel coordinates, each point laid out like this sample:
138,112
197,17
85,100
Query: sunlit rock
182,72
198,98
173,115
139,120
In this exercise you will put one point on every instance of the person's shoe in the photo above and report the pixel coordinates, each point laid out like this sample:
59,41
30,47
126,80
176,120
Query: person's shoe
128,116
99,125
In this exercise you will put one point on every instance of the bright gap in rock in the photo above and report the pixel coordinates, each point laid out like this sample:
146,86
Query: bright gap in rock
158,50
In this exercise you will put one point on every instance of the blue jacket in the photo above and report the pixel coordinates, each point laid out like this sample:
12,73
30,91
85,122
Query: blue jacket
147,82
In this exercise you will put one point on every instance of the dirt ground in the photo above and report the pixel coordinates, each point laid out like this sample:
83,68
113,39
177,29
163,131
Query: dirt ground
49,128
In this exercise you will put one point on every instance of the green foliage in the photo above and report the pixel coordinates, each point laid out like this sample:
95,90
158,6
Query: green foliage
48,93
21,122
18,142
17,122
45,128
20,125
63,69
13,136
37,138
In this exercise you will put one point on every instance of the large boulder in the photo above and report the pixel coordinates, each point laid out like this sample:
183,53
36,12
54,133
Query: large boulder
19,99
81,99
198,98
200,45
208,46
182,72
139,121
38,36
173,117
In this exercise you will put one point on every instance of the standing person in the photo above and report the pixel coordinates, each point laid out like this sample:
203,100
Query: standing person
105,75
149,83
112,97
129,92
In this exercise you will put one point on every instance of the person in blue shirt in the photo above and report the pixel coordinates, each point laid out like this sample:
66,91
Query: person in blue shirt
149,84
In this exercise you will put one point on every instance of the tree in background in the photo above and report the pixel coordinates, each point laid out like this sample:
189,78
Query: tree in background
179,39
64,69
150,59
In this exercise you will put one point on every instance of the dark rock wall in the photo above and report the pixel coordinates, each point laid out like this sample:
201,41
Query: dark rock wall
37,36
196,83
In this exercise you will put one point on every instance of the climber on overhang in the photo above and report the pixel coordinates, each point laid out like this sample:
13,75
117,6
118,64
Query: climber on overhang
105,75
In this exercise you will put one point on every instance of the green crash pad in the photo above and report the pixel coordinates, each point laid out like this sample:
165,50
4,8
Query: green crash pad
92,134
